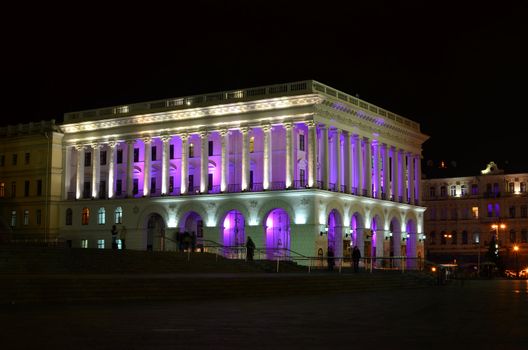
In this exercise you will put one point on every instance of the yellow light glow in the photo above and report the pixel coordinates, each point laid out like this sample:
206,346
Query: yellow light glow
516,248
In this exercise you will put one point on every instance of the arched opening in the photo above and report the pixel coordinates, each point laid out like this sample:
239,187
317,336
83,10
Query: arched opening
411,243
357,228
190,235
335,233
233,233
277,233
396,243
155,232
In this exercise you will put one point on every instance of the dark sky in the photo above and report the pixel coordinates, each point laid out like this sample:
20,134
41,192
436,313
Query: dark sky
461,70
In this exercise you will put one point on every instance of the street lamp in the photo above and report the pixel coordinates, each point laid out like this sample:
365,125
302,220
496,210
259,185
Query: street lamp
496,228
516,250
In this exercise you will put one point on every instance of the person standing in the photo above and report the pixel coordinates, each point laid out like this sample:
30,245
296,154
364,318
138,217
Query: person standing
122,236
356,255
250,249
330,259
114,237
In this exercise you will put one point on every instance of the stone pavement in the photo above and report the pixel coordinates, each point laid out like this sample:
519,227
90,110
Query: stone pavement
477,315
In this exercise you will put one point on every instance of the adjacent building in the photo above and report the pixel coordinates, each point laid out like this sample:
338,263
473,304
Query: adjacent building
465,213
300,167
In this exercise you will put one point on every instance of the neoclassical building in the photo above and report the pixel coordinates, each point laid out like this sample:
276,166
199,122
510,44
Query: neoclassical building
299,166
466,212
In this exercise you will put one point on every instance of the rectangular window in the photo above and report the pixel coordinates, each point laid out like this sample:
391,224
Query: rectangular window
210,148
119,187
523,187
301,142
119,156
153,153
511,187
452,191
474,190
102,189
302,177
26,158
209,182
26,188
513,236
476,238
512,212
443,192
252,144
102,158
191,150
88,159
100,244
432,192
251,179
39,187
13,218
171,184
135,189
26,217
15,159
191,183
524,236
38,217
152,185
84,243
524,211
87,191
2,189
463,190
13,189
171,151
474,211
101,216
136,155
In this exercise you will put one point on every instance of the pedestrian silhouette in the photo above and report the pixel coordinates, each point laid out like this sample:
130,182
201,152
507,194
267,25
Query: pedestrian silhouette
123,236
330,259
356,255
250,249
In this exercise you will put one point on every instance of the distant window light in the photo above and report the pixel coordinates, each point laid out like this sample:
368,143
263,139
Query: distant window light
497,210
118,215
84,243
26,217
511,187
13,218
85,218
523,187
101,216
191,150
252,144
452,191
475,212
2,189
100,244
121,110
463,190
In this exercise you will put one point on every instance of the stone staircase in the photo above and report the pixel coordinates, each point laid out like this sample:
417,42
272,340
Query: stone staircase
59,275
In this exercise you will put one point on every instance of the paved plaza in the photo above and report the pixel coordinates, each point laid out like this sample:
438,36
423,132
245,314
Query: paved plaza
475,315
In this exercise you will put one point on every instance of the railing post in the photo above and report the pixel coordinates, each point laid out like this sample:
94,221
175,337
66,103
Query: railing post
340,264
278,263
371,261
310,266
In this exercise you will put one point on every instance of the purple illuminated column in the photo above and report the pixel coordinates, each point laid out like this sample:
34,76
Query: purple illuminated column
405,176
66,160
224,134
266,160
358,165
385,150
401,174
312,151
338,159
326,159
368,166
289,154
411,177
245,158
80,171
348,170
165,164
377,170
395,165
130,168
418,177
111,168
184,154
204,162
146,165
96,165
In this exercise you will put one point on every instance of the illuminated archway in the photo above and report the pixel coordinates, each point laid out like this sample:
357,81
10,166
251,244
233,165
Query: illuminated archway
155,232
233,233
335,233
277,233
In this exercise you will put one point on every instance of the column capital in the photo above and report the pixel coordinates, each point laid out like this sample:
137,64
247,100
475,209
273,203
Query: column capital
203,134
130,141
95,145
184,136
288,125
147,139
224,132
79,147
266,127
112,143
310,124
244,130
165,138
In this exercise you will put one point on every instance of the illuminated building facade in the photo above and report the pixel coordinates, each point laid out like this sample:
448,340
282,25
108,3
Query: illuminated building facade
464,214
299,166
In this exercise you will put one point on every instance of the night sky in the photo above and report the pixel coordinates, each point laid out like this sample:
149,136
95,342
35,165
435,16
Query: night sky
460,71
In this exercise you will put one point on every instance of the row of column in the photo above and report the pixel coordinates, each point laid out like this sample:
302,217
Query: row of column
353,152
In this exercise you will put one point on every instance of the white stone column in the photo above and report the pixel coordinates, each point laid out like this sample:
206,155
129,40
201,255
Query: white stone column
338,159
146,165
289,154
418,179
326,160
130,169
245,159
165,166
395,174
377,169
266,166
80,171
405,177
184,160
348,169
111,168
312,152
67,171
204,162
411,177
386,181
224,170
368,166
96,168
401,171
359,165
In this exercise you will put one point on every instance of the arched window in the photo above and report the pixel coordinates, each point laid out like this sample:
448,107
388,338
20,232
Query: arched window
433,238
101,216
69,216
85,219
118,215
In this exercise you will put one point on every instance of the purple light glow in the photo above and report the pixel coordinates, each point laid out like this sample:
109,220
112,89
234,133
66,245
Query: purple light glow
277,233
234,229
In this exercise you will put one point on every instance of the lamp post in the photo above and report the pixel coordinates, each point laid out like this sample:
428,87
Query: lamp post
516,250
496,228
